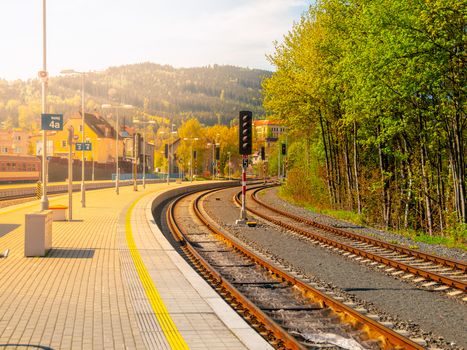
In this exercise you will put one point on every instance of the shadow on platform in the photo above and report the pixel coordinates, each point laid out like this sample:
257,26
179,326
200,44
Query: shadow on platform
19,346
70,253
7,228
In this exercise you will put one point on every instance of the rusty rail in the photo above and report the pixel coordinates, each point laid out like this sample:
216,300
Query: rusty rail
389,338
267,327
383,260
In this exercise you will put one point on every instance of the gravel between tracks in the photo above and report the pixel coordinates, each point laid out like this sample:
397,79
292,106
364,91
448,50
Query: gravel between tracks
430,315
270,196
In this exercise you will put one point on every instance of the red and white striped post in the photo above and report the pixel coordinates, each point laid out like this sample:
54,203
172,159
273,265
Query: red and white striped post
244,166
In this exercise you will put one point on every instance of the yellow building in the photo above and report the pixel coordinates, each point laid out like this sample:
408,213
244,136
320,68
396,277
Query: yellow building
97,131
268,130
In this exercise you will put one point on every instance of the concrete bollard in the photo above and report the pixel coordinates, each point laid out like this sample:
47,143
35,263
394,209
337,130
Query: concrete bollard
38,233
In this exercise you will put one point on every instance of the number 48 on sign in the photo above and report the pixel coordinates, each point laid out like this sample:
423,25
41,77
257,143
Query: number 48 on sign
51,121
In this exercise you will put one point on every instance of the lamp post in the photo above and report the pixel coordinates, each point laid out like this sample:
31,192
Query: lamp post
214,160
43,75
117,131
144,122
191,154
172,152
162,133
228,153
83,188
211,145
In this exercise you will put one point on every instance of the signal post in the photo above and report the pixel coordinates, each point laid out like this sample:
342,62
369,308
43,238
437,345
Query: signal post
245,147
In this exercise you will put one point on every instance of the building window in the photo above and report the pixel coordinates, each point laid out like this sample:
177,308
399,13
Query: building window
18,150
17,137
4,149
63,143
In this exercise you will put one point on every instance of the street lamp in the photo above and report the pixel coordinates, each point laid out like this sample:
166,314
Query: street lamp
117,131
191,154
83,188
43,75
144,122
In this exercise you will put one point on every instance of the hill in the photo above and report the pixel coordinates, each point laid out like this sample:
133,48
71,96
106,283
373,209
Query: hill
213,94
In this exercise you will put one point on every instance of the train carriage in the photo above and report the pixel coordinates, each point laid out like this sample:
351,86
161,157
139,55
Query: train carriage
16,168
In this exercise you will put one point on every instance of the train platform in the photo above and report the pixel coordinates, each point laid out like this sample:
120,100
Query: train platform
111,281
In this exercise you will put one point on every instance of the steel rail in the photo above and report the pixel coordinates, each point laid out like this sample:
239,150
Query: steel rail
267,327
389,338
425,256
373,256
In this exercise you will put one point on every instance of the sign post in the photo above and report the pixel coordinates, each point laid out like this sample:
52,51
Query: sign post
70,173
48,122
244,166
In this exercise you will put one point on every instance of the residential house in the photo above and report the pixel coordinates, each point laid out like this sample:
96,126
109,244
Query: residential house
267,133
14,142
268,130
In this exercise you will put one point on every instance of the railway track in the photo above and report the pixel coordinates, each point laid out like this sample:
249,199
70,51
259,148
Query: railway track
281,306
424,268
12,196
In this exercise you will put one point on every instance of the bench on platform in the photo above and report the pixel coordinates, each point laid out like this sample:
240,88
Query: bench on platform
59,212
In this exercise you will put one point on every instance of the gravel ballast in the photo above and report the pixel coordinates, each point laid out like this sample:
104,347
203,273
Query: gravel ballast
270,196
430,315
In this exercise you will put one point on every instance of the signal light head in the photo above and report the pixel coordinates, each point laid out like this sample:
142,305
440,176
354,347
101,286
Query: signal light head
245,132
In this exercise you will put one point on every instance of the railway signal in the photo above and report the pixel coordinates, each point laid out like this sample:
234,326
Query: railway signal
263,154
284,149
245,132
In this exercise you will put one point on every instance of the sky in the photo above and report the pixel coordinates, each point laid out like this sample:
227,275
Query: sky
92,35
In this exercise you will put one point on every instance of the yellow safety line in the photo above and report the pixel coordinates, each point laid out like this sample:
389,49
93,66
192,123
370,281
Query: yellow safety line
8,211
171,332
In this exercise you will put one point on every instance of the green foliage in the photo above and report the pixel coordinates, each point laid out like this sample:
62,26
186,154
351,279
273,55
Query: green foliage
373,95
458,233
211,94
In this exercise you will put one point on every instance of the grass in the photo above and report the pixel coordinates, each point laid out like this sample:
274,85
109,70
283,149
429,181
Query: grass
457,236
345,215
418,236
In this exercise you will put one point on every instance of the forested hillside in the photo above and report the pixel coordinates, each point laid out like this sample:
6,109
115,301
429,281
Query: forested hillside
211,94
375,92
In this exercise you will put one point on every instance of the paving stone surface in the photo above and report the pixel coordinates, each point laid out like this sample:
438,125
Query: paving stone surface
84,294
